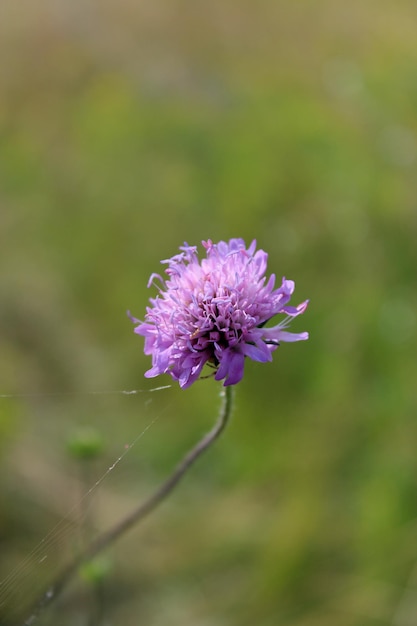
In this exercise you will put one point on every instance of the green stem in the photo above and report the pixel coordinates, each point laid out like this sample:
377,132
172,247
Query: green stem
107,538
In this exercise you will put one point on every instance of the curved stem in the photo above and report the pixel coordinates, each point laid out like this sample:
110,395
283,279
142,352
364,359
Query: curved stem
107,538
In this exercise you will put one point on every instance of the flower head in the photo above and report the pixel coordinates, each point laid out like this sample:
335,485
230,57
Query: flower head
214,312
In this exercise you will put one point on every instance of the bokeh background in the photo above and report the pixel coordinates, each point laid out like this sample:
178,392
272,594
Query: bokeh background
126,128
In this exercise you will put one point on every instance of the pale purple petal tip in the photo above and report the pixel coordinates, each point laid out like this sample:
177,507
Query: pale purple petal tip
291,337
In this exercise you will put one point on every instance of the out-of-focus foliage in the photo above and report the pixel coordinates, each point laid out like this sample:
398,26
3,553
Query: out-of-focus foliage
127,128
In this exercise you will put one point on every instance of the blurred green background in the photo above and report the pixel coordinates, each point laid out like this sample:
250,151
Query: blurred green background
127,128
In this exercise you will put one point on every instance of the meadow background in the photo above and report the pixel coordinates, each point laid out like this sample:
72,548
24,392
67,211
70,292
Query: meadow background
126,128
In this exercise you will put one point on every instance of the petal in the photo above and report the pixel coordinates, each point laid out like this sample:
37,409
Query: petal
145,329
133,319
236,367
231,367
291,337
154,371
258,352
276,334
287,287
152,279
295,310
184,378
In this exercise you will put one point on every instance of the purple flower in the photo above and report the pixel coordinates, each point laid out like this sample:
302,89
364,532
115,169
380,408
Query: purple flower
214,312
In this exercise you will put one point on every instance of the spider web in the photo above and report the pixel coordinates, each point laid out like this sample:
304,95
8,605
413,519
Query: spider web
22,580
